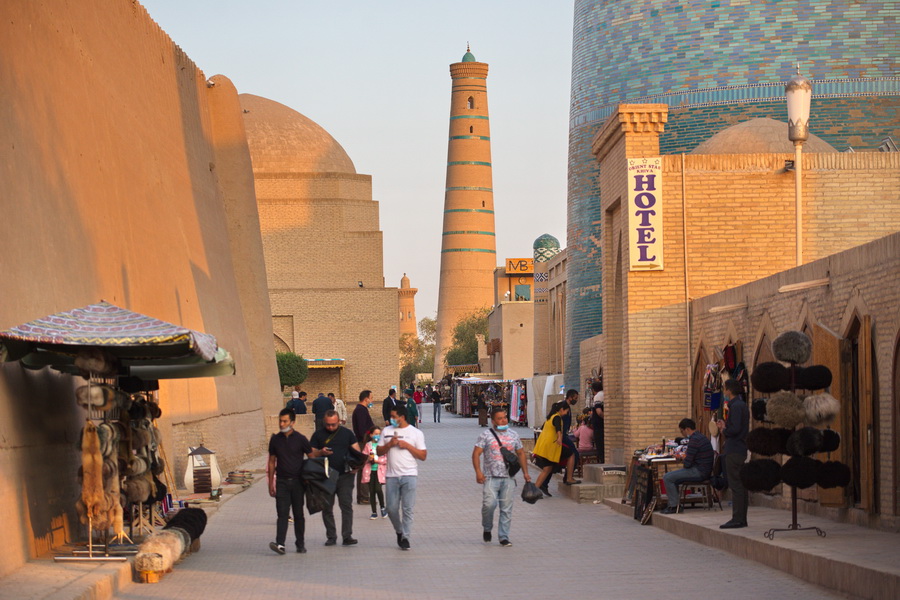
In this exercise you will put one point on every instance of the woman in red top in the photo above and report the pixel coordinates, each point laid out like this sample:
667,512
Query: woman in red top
417,396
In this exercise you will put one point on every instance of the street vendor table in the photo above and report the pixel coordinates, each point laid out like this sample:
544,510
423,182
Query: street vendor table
648,471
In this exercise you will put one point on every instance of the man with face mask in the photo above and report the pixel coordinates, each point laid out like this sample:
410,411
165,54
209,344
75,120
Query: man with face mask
286,451
339,440
499,487
362,423
404,445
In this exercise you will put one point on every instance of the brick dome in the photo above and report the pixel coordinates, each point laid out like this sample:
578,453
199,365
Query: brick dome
758,136
282,140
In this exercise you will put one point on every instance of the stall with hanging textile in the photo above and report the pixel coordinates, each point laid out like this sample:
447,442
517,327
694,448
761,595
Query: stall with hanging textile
508,394
120,355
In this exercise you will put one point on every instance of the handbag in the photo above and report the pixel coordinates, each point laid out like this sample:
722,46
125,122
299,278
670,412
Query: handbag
509,457
355,460
316,472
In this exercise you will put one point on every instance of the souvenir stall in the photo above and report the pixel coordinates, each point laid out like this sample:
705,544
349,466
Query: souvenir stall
518,403
643,487
497,393
119,355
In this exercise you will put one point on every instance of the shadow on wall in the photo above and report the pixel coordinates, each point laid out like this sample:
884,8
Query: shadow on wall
42,429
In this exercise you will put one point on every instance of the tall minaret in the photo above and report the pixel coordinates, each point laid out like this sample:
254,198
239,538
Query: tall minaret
468,251
407,308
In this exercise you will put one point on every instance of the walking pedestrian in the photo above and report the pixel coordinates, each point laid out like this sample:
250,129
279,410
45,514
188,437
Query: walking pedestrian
374,472
404,445
339,407
389,404
338,440
320,406
418,395
412,410
481,407
436,405
735,430
286,451
597,422
498,485
362,423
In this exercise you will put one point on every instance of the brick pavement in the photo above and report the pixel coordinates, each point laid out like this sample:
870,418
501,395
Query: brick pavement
560,548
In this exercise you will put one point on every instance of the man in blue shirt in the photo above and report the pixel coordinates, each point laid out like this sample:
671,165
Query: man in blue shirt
735,430
698,463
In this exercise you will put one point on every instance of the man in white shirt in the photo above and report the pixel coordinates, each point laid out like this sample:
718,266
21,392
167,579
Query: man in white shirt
403,445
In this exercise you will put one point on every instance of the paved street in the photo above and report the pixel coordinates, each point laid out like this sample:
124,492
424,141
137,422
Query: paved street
560,549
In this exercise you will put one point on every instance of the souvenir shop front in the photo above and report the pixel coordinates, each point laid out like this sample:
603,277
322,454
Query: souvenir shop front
510,394
119,356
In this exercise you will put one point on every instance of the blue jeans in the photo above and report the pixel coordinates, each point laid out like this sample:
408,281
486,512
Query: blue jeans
497,490
437,411
401,490
673,479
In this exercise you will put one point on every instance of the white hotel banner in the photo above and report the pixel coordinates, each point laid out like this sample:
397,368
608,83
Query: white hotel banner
645,215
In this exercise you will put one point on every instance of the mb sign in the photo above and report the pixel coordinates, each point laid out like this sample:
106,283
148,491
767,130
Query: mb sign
519,265
645,214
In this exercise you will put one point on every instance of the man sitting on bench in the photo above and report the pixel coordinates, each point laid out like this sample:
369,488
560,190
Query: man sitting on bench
698,463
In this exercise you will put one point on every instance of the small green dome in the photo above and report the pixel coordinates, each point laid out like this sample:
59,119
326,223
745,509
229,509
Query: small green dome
546,241
468,57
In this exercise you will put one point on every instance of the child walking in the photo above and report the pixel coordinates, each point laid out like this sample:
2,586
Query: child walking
374,472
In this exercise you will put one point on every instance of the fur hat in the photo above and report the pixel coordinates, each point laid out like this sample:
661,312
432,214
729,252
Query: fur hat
785,410
760,475
834,474
831,440
758,410
770,377
801,471
138,467
192,520
100,397
96,361
816,377
792,346
157,465
821,408
804,442
137,489
768,442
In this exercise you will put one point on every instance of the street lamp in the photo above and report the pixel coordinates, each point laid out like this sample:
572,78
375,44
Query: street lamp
798,92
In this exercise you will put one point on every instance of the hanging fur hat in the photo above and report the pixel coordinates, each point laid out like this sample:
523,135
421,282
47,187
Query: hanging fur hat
140,438
785,410
792,346
137,489
770,377
137,467
760,475
768,442
100,397
801,471
159,490
153,409
816,377
834,474
821,408
831,440
804,442
758,410
96,361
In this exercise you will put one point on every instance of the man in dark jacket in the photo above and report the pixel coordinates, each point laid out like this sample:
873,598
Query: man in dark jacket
362,424
320,406
390,403
698,463
735,430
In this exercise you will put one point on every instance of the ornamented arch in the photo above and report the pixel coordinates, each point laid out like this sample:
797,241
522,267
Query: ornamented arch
281,345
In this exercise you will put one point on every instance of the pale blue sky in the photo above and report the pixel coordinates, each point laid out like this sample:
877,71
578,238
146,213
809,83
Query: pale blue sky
375,75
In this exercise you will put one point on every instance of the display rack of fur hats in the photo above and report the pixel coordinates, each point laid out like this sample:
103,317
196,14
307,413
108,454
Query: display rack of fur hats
120,459
800,425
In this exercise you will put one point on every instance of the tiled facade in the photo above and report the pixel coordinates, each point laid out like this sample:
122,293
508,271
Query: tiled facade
716,64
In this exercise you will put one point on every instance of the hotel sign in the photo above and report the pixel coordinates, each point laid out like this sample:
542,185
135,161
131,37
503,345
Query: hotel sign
519,266
645,215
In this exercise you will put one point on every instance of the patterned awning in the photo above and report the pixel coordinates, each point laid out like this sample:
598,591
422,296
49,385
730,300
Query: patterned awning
122,332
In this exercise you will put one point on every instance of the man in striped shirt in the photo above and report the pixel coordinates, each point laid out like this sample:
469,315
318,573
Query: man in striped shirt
698,463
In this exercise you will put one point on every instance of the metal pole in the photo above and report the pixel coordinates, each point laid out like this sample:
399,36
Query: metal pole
798,197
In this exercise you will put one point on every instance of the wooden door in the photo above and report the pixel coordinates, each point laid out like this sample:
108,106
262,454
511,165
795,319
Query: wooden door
867,434
833,352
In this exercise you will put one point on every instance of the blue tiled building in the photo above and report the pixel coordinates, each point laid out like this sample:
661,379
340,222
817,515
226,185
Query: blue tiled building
716,63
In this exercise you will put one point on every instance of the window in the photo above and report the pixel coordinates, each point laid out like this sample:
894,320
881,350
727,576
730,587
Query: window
470,103
471,129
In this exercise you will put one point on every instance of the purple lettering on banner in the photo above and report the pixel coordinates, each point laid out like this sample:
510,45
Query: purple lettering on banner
644,200
647,182
643,235
645,216
643,255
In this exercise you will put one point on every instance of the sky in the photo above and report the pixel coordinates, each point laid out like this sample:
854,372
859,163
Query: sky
376,76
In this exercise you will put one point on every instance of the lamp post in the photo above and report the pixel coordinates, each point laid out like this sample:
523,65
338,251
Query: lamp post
798,92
